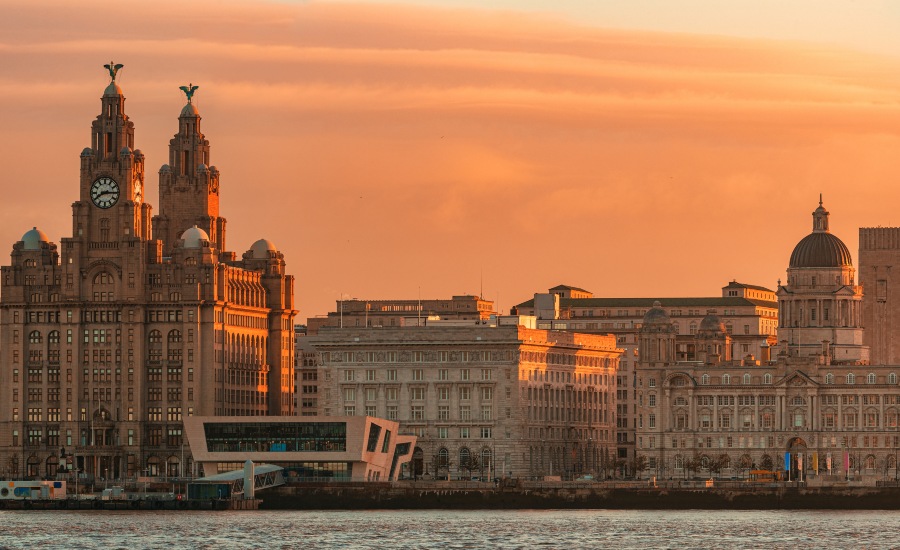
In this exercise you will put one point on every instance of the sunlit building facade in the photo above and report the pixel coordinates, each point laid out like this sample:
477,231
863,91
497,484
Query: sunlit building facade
749,313
486,399
816,408
136,321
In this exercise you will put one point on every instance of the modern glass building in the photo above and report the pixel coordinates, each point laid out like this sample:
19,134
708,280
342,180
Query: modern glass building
357,448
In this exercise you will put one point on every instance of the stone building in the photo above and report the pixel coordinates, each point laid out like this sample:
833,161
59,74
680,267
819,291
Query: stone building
484,399
821,305
750,314
879,258
136,321
393,313
812,410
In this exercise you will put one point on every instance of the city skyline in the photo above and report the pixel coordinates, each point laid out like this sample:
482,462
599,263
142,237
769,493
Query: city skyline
403,150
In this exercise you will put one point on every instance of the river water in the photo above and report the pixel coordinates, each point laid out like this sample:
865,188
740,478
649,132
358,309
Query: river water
526,529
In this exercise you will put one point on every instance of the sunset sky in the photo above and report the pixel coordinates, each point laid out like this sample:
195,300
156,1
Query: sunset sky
390,150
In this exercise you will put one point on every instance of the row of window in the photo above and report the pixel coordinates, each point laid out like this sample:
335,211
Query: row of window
371,375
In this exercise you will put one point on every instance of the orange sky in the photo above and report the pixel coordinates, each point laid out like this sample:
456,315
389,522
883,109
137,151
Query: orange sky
389,150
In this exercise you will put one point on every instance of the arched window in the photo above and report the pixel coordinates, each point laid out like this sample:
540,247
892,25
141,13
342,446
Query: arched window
851,378
746,378
174,336
34,337
870,378
704,379
53,337
464,459
767,379
726,379
892,378
693,328
829,378
190,261
679,462
155,337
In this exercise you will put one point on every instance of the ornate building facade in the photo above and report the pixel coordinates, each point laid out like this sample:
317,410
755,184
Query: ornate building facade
749,313
817,408
484,399
137,321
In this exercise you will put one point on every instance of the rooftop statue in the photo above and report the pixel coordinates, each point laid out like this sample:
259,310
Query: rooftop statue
189,91
113,68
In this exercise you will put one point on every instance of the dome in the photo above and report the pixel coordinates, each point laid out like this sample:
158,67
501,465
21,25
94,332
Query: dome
194,237
261,248
165,169
656,315
125,151
138,154
33,239
112,89
712,323
820,248
87,152
190,110
202,168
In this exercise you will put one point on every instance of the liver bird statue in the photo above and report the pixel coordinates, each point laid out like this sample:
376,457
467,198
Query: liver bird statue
113,68
189,91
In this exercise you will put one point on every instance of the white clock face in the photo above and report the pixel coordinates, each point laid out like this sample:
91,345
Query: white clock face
105,192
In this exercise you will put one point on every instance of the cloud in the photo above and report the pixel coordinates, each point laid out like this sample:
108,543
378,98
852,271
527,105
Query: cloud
388,147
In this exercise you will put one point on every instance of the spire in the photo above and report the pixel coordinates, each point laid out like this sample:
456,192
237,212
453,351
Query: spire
820,218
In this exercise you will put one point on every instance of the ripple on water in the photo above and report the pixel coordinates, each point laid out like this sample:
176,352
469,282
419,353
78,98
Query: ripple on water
501,529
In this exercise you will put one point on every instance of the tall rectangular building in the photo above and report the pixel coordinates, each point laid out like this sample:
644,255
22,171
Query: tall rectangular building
879,275
137,321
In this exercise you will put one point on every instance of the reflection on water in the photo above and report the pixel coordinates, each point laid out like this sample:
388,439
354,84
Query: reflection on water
451,529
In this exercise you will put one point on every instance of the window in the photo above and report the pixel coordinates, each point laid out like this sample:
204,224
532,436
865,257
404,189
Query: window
726,379
348,376
417,412
391,394
443,374
829,378
464,433
465,393
486,374
443,394
487,394
870,378
417,393
704,380
746,378
464,374
651,400
851,379
418,374
892,378
444,412
767,379
652,420
392,374
485,432
370,375
465,413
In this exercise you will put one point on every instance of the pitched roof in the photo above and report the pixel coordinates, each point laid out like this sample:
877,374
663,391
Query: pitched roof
753,287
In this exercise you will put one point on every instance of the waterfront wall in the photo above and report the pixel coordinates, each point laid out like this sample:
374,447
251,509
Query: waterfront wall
411,496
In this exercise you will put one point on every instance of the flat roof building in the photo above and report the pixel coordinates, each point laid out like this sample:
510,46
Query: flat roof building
357,448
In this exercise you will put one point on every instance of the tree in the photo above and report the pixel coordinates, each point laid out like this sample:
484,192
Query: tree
719,463
767,463
746,463
638,465
470,464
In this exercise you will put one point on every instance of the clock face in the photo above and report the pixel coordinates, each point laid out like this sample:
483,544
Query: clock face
105,192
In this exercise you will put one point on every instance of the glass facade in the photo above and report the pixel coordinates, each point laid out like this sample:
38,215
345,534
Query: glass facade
275,436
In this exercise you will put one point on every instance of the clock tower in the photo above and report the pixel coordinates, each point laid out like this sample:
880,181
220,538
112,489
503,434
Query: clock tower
111,204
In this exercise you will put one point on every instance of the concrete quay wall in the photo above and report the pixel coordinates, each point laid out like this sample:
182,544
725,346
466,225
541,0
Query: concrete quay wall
410,496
